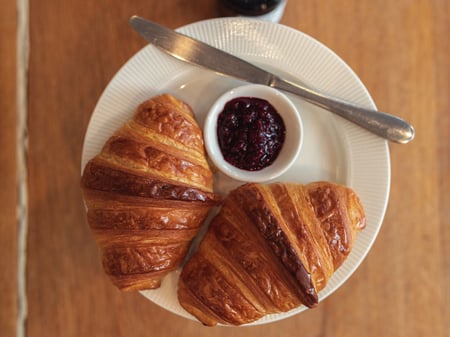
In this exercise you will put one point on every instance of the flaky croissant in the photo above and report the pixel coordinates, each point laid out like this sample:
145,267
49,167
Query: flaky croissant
270,249
148,192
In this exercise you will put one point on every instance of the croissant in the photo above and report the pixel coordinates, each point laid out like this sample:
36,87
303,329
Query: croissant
148,192
270,249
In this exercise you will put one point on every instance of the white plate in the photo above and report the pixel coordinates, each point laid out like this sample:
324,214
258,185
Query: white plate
333,149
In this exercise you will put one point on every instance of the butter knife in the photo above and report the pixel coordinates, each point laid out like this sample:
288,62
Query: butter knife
196,52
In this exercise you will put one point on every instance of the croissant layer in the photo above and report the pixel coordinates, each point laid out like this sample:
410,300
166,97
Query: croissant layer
270,249
148,192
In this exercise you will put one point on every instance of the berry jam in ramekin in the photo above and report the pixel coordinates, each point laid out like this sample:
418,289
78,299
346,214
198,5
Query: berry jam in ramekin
251,133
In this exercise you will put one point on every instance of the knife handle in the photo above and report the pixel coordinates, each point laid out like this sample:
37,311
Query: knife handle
382,124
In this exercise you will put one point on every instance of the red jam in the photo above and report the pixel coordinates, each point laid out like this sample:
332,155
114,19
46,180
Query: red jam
251,133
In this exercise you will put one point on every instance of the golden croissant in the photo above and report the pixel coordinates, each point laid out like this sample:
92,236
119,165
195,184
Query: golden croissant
148,192
270,249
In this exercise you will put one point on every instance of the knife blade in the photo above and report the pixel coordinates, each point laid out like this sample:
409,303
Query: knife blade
196,52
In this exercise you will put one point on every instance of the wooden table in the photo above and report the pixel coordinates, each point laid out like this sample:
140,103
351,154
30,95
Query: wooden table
51,282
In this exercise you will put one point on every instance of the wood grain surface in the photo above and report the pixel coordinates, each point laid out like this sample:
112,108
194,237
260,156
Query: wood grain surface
8,164
400,50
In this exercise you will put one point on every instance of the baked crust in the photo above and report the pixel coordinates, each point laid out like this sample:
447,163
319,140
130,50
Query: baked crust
270,249
148,192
